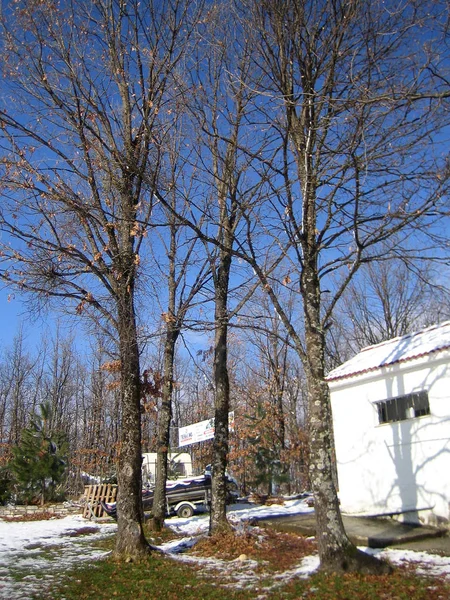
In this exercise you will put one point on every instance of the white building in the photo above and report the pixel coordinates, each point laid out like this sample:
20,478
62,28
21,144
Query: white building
391,416
179,465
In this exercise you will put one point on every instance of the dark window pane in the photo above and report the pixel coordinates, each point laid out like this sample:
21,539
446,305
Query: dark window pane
382,413
403,407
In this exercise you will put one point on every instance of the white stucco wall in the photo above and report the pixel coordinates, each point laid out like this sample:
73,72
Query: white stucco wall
394,467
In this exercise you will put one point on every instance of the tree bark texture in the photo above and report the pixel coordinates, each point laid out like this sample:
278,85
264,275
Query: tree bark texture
130,537
222,396
163,434
336,551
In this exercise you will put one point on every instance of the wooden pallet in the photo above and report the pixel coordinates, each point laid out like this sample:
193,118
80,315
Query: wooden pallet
93,495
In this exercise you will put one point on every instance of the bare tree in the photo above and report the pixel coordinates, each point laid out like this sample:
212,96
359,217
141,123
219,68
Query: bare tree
271,363
184,274
351,106
82,396
17,395
387,299
96,423
219,101
89,92
58,381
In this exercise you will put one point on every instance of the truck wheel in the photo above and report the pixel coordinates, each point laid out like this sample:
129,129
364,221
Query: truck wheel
185,511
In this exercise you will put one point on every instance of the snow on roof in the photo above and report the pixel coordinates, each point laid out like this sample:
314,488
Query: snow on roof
400,349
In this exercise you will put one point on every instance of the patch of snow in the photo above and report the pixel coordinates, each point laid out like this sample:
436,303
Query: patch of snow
241,574
179,545
425,563
245,512
238,513
36,546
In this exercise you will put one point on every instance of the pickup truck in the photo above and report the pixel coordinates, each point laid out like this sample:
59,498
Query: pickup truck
183,496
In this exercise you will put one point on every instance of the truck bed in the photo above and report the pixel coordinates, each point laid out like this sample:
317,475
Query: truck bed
196,490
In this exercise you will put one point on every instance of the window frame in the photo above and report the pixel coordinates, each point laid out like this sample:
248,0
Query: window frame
402,408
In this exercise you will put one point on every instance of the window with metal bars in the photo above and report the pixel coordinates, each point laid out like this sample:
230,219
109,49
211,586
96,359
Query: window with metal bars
404,407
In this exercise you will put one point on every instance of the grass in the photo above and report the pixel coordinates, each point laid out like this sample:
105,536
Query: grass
399,586
162,578
156,578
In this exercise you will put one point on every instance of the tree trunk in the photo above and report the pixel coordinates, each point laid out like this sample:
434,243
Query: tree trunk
336,551
130,537
163,434
222,397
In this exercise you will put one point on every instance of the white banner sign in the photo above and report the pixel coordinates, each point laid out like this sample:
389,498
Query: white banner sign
200,432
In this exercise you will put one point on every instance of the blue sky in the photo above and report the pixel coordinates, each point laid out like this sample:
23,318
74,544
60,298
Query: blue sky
11,315
14,313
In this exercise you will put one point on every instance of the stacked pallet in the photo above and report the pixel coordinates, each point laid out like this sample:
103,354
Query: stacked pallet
94,495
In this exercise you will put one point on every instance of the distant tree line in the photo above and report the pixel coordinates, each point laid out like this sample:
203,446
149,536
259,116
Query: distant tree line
269,449
79,389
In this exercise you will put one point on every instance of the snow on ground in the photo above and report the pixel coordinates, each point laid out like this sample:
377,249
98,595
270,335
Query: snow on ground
41,549
425,563
238,513
241,573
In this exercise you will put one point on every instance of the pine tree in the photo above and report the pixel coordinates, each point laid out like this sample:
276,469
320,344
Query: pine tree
38,463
